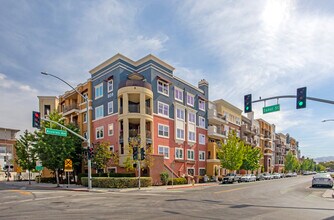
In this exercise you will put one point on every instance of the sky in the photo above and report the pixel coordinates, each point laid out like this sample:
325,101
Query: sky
263,47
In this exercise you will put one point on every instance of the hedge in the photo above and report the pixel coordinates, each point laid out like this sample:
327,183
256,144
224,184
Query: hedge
106,175
118,182
177,181
45,179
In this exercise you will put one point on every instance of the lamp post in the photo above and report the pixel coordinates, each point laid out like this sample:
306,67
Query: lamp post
327,120
88,126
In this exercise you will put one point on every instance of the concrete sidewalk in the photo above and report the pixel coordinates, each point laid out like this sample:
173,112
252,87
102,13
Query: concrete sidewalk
73,187
329,193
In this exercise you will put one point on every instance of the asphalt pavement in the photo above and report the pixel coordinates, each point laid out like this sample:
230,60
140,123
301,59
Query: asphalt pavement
290,198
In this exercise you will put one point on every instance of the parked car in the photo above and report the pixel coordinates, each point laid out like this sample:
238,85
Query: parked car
289,175
276,176
259,177
294,174
322,179
248,178
231,178
267,176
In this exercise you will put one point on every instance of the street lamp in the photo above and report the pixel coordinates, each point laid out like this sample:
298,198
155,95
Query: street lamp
88,127
327,120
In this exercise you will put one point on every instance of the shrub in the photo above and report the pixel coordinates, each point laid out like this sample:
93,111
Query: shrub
177,181
119,182
164,177
45,180
220,178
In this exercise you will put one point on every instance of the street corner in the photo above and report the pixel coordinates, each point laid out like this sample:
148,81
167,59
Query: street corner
329,193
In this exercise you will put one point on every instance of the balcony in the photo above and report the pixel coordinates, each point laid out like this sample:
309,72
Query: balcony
215,132
148,110
148,137
121,140
267,146
67,109
246,129
134,108
216,118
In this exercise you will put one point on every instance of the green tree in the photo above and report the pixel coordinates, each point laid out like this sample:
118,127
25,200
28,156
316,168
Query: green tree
102,155
291,162
25,154
251,158
53,150
307,165
232,152
320,167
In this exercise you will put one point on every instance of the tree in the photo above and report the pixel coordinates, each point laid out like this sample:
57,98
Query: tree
320,167
25,154
231,153
307,165
291,162
53,150
102,155
251,158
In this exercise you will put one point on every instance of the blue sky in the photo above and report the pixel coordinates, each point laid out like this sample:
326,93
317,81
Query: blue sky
266,48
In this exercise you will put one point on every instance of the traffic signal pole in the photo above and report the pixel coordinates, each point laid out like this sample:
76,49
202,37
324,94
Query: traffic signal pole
294,96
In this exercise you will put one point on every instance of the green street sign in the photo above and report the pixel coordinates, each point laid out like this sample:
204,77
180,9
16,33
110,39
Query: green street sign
273,108
55,132
39,168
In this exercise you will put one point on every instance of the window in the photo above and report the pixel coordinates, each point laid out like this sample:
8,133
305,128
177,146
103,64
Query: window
180,133
201,104
201,122
190,99
191,136
163,130
163,150
201,155
191,154
110,129
191,171
201,138
178,94
85,95
84,116
110,85
85,134
180,114
99,112
163,109
112,148
99,132
47,109
192,117
99,91
202,171
112,169
163,88
110,107
178,153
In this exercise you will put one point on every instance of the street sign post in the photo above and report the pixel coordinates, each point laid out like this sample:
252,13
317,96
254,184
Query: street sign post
272,108
55,132
68,168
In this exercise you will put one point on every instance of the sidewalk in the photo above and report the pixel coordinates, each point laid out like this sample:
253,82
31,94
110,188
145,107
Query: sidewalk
80,188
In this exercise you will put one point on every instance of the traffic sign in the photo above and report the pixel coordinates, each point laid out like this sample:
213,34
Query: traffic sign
68,165
55,132
39,168
272,108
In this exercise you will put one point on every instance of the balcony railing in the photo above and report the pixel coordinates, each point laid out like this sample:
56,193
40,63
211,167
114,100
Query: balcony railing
70,107
148,110
134,108
213,130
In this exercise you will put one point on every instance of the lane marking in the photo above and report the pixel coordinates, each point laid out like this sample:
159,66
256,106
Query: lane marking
32,200
231,190
22,192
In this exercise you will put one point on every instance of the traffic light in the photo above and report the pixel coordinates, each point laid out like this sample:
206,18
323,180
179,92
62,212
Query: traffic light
36,120
248,103
135,153
142,154
301,98
90,153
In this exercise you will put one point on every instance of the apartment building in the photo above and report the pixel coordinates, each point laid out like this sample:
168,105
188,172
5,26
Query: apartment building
223,118
144,99
267,134
73,107
280,152
47,105
7,149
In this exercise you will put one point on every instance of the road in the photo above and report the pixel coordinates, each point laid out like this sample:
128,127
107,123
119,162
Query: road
290,198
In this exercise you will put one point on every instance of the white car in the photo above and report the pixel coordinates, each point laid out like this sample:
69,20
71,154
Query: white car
248,178
322,179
